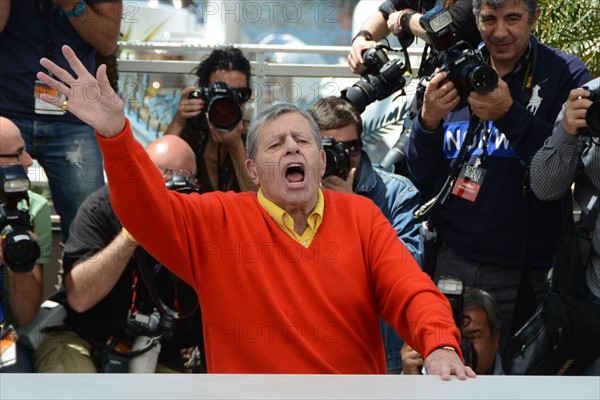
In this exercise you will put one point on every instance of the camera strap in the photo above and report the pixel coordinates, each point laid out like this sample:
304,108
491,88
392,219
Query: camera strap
148,269
475,126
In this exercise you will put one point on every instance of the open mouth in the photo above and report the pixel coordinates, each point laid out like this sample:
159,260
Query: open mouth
294,173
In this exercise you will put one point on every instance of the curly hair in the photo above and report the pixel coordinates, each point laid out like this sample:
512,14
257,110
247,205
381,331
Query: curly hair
226,59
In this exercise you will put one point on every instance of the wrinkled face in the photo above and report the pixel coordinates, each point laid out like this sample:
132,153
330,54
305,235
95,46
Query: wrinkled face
349,137
506,31
477,331
288,164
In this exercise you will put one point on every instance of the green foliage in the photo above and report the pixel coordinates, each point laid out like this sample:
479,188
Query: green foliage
573,27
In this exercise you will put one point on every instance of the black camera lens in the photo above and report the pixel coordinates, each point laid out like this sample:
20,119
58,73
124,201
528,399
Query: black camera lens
377,84
224,113
337,161
481,79
20,250
592,118
360,95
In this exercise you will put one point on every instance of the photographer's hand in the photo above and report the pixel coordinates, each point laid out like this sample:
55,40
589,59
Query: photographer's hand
187,108
439,99
338,184
491,106
355,58
412,361
446,363
233,142
575,111
90,99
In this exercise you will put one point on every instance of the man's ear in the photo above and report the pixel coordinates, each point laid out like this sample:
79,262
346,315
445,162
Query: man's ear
323,163
252,171
536,17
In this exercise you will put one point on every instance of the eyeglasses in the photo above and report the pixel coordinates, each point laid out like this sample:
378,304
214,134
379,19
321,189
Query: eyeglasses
168,173
353,147
16,155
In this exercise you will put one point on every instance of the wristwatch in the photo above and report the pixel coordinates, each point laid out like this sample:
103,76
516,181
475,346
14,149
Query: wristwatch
77,11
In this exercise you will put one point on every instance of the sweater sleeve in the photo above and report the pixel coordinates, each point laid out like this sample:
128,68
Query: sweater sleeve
162,221
406,297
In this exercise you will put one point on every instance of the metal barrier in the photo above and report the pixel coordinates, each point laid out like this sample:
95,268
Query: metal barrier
278,74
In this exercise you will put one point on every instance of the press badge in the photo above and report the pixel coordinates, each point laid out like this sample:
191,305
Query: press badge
40,106
8,347
468,182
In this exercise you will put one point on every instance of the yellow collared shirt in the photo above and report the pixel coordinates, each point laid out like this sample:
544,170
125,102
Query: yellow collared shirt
286,222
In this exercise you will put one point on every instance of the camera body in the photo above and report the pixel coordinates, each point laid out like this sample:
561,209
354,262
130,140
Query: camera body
592,116
19,249
465,66
337,160
382,78
221,103
453,289
178,183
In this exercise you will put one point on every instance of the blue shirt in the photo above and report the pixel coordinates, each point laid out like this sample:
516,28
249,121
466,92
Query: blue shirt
396,197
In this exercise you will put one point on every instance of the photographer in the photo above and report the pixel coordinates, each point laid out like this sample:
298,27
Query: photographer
220,153
395,195
481,216
99,273
480,326
401,17
403,22
570,153
21,291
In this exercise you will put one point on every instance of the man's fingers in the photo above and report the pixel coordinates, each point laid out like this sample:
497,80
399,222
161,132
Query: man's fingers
57,71
102,79
74,62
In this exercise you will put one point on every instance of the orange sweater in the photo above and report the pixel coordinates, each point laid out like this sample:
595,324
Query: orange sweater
269,305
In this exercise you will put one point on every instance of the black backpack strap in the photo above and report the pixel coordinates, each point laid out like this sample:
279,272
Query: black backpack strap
526,302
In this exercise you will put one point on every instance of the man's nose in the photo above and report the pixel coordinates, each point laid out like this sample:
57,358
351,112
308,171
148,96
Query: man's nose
501,28
26,159
291,145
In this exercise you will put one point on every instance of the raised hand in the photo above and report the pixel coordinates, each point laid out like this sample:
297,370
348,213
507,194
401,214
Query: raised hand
90,99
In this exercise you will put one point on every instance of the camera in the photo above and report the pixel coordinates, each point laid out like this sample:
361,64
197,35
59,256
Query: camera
592,116
453,289
221,103
337,160
147,329
19,249
465,66
382,78
178,183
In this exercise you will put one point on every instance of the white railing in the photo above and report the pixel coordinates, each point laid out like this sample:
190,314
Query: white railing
273,78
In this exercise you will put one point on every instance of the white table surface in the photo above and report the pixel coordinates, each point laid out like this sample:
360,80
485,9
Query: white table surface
216,386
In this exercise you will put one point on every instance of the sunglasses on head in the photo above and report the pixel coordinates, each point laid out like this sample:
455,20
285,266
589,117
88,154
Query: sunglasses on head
353,147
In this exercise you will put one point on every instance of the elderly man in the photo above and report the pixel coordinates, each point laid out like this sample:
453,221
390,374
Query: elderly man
21,291
291,279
